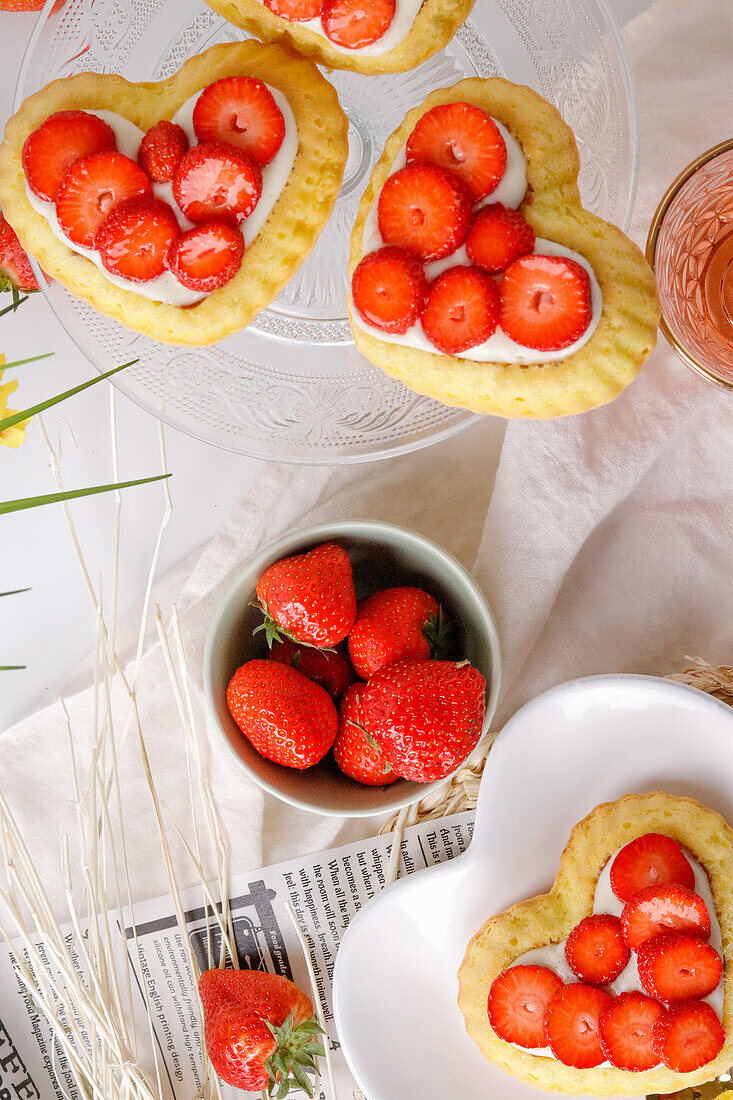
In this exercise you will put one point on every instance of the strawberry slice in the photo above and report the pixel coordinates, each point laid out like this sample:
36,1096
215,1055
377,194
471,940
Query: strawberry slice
240,111
389,289
688,1036
464,139
572,1025
596,950
462,309
216,181
545,302
297,11
207,256
162,150
627,1032
678,966
49,151
425,209
650,860
659,909
352,24
91,190
498,237
135,239
518,1000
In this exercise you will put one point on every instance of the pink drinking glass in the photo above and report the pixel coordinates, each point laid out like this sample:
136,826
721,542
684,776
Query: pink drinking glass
690,247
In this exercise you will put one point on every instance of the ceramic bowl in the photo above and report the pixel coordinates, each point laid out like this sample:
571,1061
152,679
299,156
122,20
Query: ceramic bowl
382,555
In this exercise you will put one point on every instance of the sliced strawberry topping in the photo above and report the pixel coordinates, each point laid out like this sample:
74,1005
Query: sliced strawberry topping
627,1032
659,909
135,239
352,24
678,966
462,310
650,860
498,237
162,150
689,1036
545,302
517,1003
63,138
240,111
297,11
216,181
464,139
91,190
207,256
425,209
389,289
596,950
572,1025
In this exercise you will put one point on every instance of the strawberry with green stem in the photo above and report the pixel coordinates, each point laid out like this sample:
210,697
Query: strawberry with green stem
398,624
16,273
309,598
260,1031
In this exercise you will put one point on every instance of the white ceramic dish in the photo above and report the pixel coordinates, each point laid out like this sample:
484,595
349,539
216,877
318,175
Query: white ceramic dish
585,742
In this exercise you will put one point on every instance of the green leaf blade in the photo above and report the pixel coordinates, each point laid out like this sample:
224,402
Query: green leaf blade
7,506
26,414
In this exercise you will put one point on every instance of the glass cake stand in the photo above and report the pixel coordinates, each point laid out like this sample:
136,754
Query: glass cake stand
292,386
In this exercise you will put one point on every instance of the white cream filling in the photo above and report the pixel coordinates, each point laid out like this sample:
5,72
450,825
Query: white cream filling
605,901
405,14
166,287
499,348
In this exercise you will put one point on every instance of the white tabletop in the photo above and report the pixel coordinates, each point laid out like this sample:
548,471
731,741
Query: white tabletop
50,628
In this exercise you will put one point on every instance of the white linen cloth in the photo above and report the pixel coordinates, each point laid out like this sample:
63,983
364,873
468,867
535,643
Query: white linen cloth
603,541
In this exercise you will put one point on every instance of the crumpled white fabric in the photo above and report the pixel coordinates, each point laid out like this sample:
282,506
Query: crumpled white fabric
603,542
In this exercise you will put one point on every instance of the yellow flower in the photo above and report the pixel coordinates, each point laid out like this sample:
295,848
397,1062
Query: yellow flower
11,437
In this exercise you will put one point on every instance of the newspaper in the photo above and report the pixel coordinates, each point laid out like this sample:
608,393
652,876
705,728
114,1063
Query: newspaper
325,891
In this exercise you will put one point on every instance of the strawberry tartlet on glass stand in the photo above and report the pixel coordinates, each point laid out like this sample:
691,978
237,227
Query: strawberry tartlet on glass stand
292,386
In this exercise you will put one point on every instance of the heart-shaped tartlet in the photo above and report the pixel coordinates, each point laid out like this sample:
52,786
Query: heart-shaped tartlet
383,36
619,982
183,231
478,278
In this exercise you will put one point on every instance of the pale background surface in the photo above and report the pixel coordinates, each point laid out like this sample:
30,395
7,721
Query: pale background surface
51,628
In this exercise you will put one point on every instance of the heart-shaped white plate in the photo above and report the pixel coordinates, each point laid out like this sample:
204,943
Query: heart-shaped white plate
585,742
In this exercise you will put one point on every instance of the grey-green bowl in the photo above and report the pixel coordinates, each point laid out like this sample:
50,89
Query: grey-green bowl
382,555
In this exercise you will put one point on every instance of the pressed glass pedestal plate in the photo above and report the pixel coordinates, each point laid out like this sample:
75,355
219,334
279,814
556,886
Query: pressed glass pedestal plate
292,386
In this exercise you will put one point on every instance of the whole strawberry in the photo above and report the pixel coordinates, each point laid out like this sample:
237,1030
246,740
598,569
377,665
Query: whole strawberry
355,751
259,1030
426,716
284,715
397,624
330,668
310,597
16,273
